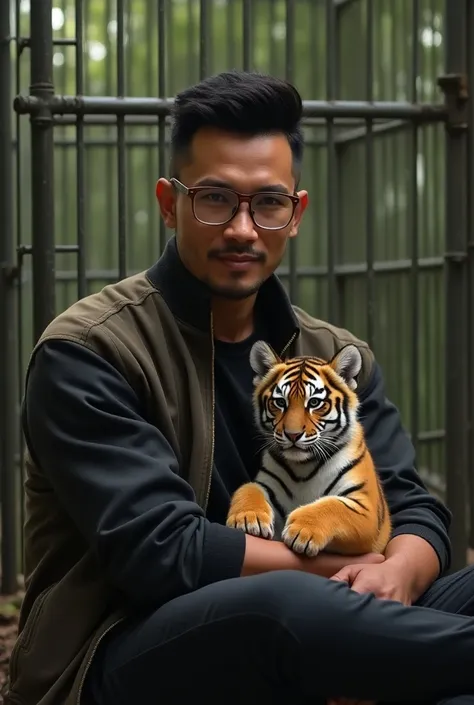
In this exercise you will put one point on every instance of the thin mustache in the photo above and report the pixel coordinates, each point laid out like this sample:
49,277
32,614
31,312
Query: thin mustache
236,251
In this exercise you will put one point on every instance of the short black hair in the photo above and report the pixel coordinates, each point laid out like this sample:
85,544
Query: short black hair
246,103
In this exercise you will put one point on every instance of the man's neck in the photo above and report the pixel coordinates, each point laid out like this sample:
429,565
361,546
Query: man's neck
233,320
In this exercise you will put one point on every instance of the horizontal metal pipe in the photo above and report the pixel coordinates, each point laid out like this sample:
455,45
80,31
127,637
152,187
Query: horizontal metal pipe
25,42
58,249
144,142
145,120
359,133
82,105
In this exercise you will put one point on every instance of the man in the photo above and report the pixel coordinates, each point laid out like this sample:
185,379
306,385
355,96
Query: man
138,422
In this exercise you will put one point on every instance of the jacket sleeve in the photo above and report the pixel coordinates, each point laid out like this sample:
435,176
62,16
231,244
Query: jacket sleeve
118,479
414,510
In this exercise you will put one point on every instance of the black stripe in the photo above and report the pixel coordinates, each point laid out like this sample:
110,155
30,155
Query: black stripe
277,457
381,507
345,399
275,503
357,501
279,480
353,509
342,472
338,409
354,488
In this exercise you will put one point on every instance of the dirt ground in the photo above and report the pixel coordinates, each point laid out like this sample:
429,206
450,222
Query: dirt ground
9,612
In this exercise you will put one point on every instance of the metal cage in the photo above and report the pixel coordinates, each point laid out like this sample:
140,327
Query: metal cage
387,247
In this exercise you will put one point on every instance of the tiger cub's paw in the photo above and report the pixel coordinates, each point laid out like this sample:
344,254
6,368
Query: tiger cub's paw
302,534
251,512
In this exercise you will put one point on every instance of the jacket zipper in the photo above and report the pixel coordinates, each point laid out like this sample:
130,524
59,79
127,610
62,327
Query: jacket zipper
89,661
288,344
209,480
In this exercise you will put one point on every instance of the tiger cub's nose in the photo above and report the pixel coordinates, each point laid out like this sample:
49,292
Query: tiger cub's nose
293,437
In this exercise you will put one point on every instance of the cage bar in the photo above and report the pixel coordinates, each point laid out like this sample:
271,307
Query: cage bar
42,166
105,105
456,362
80,173
8,389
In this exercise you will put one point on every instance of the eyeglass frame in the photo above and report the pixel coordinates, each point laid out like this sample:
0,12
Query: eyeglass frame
192,191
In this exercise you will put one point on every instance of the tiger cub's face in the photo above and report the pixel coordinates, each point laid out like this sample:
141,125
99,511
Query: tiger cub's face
307,406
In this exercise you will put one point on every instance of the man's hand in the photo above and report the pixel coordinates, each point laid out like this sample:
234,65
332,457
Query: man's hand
385,580
410,567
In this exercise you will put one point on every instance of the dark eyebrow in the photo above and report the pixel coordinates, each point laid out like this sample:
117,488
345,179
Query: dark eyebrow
270,188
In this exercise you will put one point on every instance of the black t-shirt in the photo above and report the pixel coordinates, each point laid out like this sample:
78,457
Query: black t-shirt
237,442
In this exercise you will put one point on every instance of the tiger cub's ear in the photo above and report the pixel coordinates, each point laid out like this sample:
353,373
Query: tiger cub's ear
262,359
347,363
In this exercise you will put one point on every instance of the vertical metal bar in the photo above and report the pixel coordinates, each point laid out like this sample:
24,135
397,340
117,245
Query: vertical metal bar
456,362
121,156
161,93
273,13
289,74
332,186
80,182
151,23
109,157
190,42
42,167
415,303
204,39
247,34
470,253
369,192
8,402
230,23
19,298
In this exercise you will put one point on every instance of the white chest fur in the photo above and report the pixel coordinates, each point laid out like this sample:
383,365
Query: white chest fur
294,484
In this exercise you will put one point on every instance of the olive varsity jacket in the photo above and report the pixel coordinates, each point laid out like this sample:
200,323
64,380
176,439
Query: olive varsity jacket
116,504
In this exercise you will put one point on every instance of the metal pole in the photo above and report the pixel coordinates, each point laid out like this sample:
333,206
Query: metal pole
8,402
470,253
456,361
42,164
337,109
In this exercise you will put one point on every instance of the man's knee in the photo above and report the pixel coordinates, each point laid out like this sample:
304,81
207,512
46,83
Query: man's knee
271,595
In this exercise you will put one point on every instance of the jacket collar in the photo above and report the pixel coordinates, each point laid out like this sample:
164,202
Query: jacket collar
189,299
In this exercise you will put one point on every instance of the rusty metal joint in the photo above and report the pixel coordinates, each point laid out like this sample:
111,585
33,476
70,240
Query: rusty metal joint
22,44
456,95
9,272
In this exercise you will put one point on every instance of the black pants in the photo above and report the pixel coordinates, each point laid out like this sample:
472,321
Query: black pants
289,637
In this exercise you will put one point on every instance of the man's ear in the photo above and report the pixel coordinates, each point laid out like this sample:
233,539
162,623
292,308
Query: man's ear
166,197
300,209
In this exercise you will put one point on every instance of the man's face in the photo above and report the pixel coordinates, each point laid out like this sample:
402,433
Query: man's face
233,259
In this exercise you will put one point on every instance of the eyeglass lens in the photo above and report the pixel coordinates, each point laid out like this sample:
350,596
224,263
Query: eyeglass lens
215,206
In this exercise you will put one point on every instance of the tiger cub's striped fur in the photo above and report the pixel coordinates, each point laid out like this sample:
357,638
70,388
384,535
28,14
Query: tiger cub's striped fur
317,488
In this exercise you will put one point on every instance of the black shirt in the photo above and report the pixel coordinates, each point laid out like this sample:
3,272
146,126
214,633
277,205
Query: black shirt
237,443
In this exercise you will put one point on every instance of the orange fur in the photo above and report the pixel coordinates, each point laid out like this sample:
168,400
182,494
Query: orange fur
310,399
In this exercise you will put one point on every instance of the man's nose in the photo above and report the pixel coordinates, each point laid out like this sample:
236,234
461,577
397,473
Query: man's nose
241,227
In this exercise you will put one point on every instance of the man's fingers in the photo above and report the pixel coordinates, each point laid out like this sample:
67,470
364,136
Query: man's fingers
347,574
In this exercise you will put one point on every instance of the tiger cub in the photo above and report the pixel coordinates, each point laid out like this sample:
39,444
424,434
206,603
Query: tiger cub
317,488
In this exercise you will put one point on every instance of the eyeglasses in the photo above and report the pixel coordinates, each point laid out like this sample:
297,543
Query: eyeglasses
213,205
